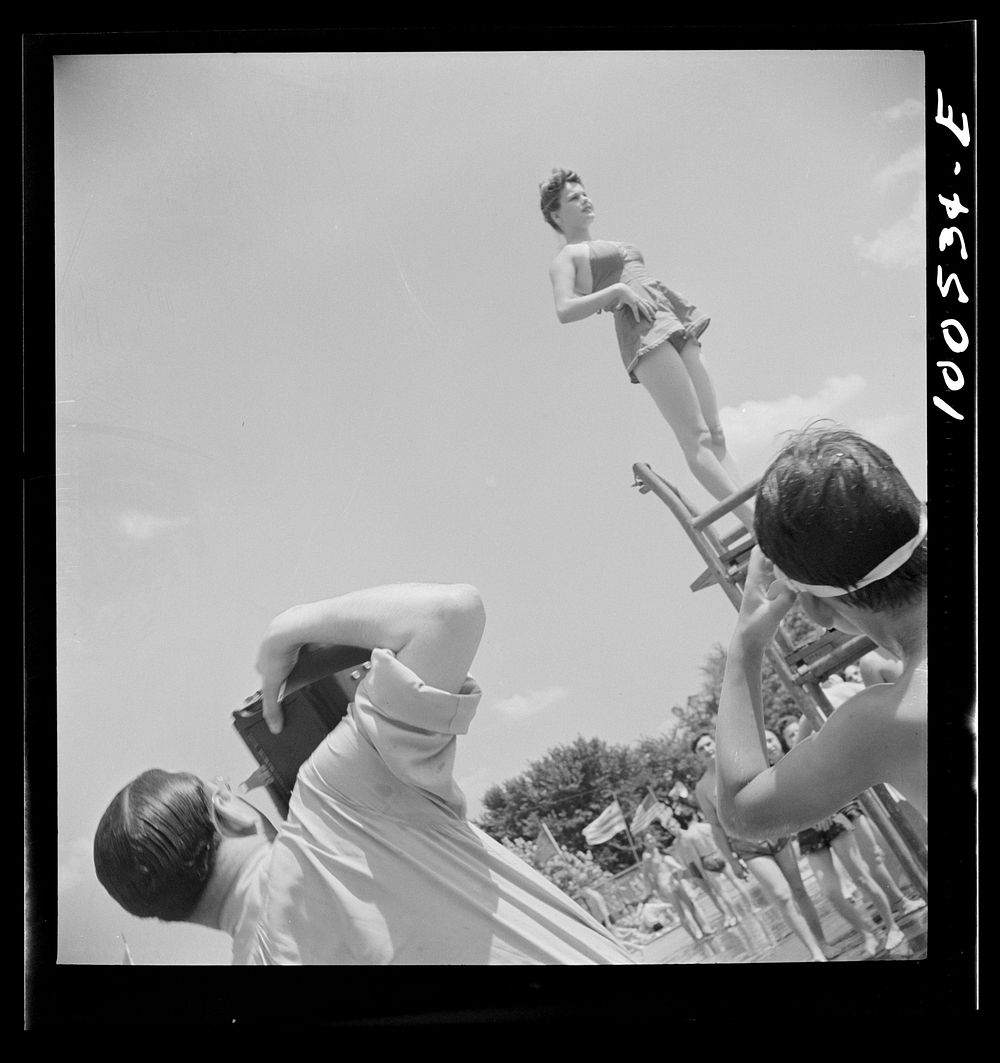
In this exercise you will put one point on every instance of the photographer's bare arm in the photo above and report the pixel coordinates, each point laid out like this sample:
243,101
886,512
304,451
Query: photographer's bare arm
434,629
878,736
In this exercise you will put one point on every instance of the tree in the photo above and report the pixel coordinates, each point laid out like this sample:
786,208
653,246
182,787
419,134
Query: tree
569,871
702,708
669,761
572,784
569,787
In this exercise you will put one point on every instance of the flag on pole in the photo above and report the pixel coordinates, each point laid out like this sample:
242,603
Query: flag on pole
650,808
546,846
606,826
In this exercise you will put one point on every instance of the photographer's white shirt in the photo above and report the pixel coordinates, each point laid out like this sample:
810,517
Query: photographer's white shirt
377,864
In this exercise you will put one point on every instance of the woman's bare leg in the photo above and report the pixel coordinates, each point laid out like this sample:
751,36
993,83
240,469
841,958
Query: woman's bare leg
874,856
738,885
688,913
665,375
847,851
718,898
746,903
775,886
708,403
787,861
829,880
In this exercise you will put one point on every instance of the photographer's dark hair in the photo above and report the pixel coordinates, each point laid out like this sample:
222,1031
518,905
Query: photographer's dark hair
155,846
832,506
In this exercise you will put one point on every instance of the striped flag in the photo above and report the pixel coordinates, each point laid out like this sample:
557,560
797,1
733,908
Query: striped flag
545,846
606,826
651,808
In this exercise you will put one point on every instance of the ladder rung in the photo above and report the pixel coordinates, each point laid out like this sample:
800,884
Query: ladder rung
821,645
737,533
727,505
706,579
734,574
827,655
741,550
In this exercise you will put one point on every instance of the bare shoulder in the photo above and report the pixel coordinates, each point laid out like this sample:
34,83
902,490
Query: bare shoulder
875,714
882,729
568,255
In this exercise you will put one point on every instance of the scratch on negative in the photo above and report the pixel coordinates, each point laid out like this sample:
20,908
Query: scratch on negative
402,277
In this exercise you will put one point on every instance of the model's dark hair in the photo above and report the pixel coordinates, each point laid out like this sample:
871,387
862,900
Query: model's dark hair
155,846
551,190
830,507
698,737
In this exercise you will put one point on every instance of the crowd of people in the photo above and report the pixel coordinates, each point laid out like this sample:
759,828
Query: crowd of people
691,857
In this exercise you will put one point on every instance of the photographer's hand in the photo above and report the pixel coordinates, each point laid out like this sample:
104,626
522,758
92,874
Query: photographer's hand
275,660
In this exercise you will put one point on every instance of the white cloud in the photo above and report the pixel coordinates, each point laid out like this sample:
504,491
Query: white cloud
75,863
901,244
909,108
909,163
756,430
143,526
753,430
521,706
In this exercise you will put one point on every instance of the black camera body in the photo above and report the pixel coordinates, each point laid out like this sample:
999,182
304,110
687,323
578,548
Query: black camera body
316,696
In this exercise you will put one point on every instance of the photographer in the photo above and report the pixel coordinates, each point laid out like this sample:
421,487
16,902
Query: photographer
376,862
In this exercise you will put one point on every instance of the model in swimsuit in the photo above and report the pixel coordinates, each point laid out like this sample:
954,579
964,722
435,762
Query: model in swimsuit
658,331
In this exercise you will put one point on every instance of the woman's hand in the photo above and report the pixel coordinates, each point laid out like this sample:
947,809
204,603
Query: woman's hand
766,599
640,307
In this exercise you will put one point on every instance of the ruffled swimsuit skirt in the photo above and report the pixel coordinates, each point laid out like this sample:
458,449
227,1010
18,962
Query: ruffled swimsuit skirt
676,320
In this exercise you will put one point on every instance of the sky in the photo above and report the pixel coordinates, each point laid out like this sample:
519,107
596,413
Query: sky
305,343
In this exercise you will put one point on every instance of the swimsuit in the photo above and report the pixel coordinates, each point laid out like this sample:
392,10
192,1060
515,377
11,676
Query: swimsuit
676,319
814,840
747,850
